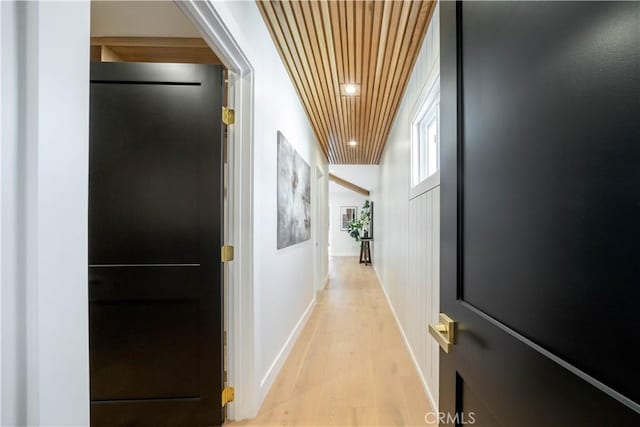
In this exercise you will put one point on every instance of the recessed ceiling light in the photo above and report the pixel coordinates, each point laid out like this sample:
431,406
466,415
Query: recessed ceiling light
353,143
350,89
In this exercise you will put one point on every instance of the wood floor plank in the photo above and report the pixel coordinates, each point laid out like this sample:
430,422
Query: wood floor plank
350,366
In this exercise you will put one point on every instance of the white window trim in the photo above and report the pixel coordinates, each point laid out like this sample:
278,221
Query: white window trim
425,185
429,94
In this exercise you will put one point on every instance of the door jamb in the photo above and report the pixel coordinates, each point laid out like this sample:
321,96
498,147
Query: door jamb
317,241
239,299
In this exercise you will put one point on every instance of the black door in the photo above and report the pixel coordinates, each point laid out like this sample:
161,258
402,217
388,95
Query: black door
540,212
155,230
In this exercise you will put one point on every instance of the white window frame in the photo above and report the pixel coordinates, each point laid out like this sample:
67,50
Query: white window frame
427,106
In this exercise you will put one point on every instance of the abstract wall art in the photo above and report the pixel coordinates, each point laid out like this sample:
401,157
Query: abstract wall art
294,196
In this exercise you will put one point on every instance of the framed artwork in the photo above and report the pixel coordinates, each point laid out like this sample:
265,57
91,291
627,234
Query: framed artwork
294,196
347,214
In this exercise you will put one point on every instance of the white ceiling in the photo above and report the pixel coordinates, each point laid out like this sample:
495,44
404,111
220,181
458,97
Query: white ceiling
365,176
139,19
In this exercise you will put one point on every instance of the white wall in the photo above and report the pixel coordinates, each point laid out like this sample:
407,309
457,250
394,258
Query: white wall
341,244
283,279
44,151
407,233
365,176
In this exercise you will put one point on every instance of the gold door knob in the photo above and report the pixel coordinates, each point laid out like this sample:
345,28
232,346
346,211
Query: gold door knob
444,332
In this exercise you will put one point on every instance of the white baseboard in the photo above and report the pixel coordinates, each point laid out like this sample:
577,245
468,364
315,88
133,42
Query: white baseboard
274,369
434,404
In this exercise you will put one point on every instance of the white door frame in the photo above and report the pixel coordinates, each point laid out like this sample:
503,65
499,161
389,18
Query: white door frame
317,232
239,317
321,247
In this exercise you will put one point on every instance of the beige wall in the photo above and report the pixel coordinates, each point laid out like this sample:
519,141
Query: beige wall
139,19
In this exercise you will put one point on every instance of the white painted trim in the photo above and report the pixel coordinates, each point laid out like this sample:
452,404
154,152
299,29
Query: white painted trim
1,218
429,93
434,404
426,185
274,369
432,79
323,287
321,231
242,362
44,250
205,17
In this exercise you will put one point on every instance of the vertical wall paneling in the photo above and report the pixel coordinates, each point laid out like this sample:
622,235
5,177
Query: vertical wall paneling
407,246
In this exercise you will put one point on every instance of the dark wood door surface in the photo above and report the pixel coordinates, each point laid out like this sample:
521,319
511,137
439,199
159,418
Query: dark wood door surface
540,256
155,232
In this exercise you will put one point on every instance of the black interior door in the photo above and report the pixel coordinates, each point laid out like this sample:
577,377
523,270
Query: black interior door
540,212
155,232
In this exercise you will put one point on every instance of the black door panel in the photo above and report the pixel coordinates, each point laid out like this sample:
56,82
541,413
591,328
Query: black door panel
155,232
540,187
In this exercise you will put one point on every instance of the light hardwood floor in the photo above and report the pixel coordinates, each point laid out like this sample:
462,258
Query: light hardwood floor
350,366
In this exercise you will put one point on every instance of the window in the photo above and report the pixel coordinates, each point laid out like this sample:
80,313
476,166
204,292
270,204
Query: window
428,144
425,137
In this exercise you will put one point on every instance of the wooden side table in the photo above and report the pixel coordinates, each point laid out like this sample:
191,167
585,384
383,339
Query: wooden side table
365,250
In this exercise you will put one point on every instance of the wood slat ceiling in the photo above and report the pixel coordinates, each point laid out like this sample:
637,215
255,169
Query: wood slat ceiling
325,44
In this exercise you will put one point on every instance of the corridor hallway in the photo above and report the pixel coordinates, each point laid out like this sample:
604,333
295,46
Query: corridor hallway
350,365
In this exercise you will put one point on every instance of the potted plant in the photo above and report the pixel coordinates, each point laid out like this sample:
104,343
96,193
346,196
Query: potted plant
358,228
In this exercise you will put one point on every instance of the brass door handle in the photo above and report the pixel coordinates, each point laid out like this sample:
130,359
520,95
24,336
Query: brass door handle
444,332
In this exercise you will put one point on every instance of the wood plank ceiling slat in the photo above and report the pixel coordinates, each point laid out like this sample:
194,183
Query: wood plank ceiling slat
302,45
312,49
291,64
313,24
325,44
399,56
328,42
372,60
390,20
424,16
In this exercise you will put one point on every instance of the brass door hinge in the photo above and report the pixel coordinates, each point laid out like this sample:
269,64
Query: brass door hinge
228,393
226,254
228,116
